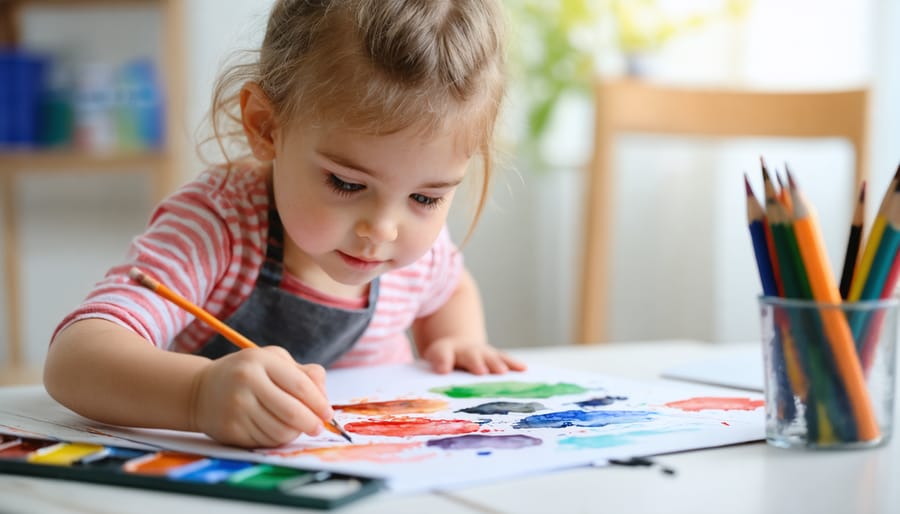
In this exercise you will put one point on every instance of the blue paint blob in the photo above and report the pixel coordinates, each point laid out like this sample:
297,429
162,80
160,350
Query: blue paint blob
580,418
600,401
478,441
504,408
484,453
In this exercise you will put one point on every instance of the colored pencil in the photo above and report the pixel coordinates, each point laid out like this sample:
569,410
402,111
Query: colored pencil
202,314
839,336
861,273
756,220
769,196
784,193
798,328
885,274
852,253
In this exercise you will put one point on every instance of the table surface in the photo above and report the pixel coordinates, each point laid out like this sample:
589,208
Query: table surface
747,478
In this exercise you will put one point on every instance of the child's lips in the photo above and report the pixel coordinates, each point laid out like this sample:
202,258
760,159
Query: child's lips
360,263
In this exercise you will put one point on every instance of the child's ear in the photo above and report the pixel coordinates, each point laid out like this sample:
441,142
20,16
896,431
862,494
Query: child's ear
258,118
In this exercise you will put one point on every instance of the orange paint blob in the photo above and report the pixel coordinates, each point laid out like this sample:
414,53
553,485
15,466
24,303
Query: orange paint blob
393,407
378,452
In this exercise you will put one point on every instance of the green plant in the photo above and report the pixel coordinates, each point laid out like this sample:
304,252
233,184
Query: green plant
557,43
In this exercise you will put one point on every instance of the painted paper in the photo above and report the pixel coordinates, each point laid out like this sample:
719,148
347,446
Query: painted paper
421,430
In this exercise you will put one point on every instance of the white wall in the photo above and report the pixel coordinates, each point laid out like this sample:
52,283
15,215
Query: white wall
694,279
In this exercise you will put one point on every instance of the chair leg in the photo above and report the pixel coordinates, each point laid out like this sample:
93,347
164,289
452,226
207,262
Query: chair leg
15,354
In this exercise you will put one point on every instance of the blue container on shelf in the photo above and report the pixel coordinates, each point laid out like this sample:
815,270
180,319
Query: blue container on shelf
22,81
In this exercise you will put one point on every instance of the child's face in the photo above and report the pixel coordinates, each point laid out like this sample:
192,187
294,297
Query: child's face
356,206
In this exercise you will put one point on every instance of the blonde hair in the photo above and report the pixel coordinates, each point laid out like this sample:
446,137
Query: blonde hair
376,67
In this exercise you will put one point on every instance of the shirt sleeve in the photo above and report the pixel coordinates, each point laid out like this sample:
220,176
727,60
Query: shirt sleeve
185,246
444,269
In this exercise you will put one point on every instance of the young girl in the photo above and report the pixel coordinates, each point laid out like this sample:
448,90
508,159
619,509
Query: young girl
324,245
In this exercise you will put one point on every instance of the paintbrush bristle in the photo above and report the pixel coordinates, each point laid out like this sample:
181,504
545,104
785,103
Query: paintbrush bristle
341,430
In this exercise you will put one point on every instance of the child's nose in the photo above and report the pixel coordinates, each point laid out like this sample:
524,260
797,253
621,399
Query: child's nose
379,228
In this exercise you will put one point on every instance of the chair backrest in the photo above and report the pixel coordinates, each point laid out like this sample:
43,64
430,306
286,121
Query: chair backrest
632,106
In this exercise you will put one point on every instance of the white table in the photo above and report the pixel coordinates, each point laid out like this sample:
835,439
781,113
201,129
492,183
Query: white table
749,478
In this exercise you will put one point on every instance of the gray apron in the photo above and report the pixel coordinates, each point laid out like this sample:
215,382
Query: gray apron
311,332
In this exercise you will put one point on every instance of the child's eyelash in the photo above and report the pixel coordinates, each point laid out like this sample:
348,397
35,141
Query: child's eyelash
345,188
342,187
429,202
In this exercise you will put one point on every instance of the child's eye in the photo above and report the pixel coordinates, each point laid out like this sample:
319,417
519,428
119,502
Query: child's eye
341,187
427,201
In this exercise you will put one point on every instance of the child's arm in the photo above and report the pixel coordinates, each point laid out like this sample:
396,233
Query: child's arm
255,397
454,336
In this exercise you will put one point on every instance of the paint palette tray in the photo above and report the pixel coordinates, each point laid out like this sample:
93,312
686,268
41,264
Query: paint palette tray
181,473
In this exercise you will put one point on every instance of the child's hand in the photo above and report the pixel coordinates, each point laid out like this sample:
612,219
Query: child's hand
259,397
449,353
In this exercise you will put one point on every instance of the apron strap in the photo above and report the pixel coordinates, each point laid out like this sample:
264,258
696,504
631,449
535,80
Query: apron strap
273,267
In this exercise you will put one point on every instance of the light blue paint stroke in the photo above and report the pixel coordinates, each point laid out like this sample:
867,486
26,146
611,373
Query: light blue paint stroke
610,440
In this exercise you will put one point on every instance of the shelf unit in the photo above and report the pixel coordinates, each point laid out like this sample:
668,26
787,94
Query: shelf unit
163,164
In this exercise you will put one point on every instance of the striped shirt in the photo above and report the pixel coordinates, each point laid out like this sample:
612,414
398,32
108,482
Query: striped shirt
207,243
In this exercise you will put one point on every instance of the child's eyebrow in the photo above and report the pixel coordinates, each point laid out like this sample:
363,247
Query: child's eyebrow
347,163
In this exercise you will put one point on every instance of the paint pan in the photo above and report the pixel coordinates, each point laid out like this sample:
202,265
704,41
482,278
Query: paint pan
109,458
63,454
209,471
24,448
161,463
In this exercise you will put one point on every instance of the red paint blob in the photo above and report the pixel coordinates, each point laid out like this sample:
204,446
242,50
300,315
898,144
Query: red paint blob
405,426
715,403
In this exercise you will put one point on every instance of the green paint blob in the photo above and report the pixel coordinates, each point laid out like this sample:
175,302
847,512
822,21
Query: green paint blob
509,390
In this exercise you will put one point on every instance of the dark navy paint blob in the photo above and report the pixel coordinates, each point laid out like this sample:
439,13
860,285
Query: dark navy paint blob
600,401
504,408
478,441
580,418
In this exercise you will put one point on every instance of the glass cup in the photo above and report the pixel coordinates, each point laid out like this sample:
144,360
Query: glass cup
829,372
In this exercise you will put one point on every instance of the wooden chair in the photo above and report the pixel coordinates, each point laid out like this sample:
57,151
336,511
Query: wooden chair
631,106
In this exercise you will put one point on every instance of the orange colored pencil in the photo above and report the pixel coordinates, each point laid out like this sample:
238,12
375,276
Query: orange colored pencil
202,314
840,338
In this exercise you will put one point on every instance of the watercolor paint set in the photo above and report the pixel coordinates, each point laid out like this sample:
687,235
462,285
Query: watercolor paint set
180,472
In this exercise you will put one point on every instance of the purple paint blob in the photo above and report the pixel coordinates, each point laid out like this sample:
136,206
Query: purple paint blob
600,401
477,441
504,408
580,418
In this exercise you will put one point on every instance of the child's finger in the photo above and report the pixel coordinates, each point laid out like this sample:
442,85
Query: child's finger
495,362
269,430
440,356
292,380
513,363
473,361
317,373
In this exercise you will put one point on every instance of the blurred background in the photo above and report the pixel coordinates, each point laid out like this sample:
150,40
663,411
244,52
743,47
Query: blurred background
101,102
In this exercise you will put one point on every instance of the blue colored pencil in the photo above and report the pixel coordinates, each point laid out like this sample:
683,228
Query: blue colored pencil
756,219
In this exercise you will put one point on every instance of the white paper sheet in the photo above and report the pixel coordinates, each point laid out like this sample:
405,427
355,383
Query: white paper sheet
740,368
631,418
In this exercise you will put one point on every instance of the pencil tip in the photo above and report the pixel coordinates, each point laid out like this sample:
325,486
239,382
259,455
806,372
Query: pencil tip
790,177
862,191
135,273
762,163
747,185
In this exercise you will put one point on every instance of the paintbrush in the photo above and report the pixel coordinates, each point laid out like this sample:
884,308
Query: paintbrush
227,332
